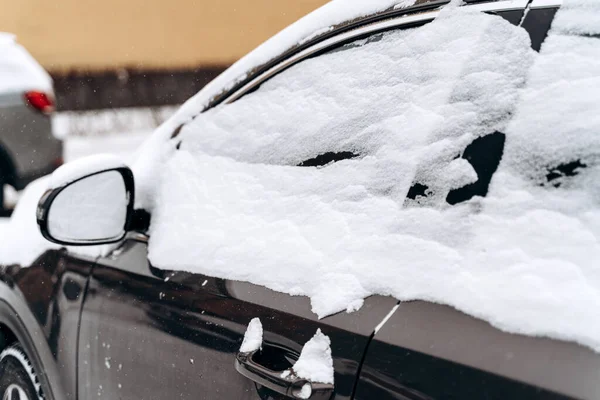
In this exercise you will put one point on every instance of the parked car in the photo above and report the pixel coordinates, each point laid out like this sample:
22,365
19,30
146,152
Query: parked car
118,326
28,148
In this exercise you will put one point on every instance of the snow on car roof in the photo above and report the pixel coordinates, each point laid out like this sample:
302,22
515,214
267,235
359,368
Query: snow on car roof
19,71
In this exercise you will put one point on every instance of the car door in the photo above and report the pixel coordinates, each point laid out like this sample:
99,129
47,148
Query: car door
155,333
427,350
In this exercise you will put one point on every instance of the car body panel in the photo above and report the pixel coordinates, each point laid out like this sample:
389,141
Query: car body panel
47,298
440,352
26,136
153,334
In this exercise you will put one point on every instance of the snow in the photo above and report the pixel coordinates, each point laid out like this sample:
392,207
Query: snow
253,337
123,145
80,168
91,209
315,363
319,21
20,239
98,123
578,17
18,70
405,4
231,203
21,242
522,258
305,392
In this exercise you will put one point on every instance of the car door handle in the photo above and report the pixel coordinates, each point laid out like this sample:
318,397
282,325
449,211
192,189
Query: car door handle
283,382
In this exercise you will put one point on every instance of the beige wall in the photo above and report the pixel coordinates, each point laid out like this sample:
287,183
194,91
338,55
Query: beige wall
107,34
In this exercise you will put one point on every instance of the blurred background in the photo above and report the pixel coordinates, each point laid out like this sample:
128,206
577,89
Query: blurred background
111,54
119,68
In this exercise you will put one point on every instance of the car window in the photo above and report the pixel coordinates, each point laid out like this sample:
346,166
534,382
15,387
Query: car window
327,109
303,185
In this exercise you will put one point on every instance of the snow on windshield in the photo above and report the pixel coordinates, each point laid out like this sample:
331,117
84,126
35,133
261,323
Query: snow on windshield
409,209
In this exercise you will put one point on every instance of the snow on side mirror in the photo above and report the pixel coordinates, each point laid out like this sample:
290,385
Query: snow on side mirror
89,202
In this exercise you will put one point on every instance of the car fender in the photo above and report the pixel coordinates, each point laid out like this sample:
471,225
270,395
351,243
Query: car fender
16,316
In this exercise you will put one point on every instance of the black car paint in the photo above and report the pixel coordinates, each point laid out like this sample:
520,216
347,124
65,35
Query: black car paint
149,333
450,355
41,306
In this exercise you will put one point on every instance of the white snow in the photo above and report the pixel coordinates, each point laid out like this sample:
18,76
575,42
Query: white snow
405,4
123,145
91,209
18,70
20,239
21,242
524,258
231,203
82,167
333,13
319,21
253,337
305,392
315,363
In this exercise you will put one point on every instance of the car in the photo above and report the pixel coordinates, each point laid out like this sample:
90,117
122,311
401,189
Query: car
200,289
28,148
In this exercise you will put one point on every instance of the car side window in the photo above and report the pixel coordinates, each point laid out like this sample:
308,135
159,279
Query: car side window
405,103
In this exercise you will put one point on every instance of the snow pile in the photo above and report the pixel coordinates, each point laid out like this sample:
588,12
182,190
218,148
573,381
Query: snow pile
319,21
20,239
21,242
578,17
253,337
90,209
18,70
305,391
232,203
315,363
77,169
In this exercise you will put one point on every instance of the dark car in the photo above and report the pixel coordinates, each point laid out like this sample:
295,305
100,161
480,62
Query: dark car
118,327
28,147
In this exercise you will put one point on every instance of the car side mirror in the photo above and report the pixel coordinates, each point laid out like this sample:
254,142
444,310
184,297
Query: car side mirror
93,209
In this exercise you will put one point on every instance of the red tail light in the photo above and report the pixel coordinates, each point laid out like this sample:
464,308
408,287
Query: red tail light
40,101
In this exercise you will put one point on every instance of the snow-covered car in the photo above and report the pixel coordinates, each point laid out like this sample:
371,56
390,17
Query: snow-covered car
387,200
28,148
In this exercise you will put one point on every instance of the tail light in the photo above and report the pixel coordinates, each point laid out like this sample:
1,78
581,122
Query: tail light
40,101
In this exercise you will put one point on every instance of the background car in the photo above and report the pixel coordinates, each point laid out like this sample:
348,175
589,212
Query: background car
109,323
28,148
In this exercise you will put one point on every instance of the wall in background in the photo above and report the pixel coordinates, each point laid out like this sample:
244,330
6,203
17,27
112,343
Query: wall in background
96,35
131,53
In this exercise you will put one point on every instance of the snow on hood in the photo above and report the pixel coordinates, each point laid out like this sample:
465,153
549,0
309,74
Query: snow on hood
231,203
19,71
